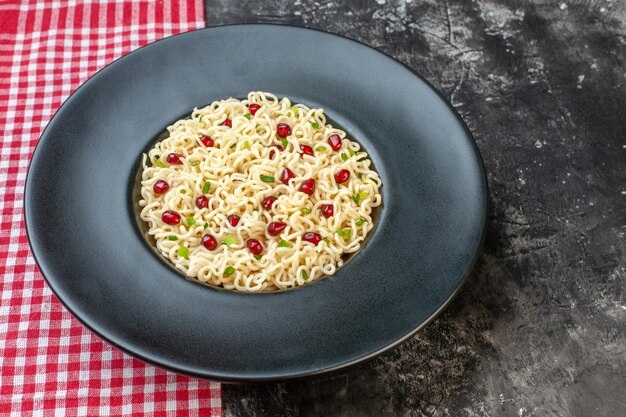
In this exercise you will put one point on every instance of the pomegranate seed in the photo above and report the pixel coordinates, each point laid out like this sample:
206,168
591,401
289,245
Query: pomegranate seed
273,152
160,187
334,141
342,176
233,220
328,210
227,123
308,186
174,159
274,228
255,246
170,217
312,237
286,175
207,141
283,130
253,108
267,202
202,202
209,242
306,150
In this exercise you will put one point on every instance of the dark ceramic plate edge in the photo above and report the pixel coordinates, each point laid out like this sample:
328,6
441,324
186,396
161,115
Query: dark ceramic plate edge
223,377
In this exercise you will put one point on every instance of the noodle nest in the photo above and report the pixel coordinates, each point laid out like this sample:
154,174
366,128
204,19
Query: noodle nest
240,169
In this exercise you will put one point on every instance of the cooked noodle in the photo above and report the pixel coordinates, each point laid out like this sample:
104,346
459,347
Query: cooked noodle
238,169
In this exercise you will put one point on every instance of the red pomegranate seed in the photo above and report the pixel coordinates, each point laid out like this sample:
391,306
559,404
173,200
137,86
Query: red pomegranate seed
308,186
334,141
170,217
207,141
283,130
209,242
306,150
253,108
274,228
286,175
273,152
233,220
202,202
312,237
328,210
174,159
160,187
228,123
342,176
255,246
267,202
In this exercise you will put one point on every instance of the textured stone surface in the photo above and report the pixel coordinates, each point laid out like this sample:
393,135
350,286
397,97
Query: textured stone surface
540,328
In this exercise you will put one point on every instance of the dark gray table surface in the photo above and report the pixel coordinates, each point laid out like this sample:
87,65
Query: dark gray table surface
540,327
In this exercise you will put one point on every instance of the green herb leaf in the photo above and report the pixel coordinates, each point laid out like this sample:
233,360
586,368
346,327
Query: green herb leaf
159,163
183,191
246,145
360,221
344,233
230,240
285,142
257,257
267,178
320,149
172,237
294,109
284,244
205,225
229,271
360,196
183,252
233,145
315,125
352,153
360,175
206,187
326,240
195,163
200,119
344,157
190,220
305,210
304,275
247,116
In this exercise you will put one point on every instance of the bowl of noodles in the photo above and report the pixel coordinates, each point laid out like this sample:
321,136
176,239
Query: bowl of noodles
257,222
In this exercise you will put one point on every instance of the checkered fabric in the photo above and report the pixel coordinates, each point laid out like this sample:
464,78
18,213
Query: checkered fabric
50,365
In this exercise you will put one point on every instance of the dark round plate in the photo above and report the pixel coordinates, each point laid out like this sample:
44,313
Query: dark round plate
82,229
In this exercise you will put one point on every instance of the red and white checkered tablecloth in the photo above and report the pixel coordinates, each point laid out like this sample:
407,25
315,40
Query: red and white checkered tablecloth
50,365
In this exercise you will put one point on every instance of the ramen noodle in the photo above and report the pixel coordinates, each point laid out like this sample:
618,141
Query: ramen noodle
257,194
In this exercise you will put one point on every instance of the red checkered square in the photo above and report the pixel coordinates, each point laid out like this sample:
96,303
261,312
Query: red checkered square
50,365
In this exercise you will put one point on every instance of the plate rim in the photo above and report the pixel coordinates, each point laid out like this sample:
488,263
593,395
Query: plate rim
225,377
